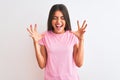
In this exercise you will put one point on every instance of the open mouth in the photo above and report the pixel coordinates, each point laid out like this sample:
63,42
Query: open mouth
58,26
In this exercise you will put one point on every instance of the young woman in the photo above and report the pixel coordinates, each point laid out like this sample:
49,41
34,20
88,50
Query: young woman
59,50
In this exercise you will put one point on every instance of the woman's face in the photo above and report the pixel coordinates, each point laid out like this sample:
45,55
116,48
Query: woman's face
58,22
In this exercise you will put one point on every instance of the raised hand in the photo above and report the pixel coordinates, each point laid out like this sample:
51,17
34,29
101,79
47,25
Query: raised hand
81,30
34,33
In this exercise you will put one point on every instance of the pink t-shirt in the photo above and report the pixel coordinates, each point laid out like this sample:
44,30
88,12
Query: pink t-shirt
60,63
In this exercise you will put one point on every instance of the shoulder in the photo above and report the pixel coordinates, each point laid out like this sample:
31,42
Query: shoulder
44,37
70,33
46,33
72,38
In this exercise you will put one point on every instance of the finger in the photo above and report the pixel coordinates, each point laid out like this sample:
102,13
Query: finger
84,32
85,26
35,28
29,31
31,28
78,24
30,35
83,23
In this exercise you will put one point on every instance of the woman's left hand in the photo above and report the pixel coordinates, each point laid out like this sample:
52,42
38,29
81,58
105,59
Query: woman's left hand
81,30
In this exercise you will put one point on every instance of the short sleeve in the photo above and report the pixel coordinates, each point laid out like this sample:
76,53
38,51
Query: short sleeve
41,41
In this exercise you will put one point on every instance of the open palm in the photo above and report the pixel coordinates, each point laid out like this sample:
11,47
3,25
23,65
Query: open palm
81,30
34,33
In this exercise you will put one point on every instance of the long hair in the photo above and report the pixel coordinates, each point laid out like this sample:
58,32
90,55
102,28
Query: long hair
63,9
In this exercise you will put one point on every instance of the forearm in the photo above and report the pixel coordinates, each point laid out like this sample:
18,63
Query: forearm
39,56
80,53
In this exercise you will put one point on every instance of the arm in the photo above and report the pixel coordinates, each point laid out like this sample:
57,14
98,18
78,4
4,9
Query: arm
78,52
39,49
41,55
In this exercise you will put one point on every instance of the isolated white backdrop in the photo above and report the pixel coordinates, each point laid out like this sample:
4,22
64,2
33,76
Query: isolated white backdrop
102,46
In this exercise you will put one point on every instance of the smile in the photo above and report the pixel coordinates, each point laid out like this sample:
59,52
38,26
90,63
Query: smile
59,26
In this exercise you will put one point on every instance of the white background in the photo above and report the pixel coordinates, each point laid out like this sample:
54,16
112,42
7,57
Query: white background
102,37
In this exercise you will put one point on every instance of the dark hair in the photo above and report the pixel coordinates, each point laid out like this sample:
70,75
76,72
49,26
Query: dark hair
64,10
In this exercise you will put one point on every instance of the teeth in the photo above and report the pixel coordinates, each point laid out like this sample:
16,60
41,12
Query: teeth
58,25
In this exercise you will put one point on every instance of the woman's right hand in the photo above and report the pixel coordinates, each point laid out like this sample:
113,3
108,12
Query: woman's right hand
34,33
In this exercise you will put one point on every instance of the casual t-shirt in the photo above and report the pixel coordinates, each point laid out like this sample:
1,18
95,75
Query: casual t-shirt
60,63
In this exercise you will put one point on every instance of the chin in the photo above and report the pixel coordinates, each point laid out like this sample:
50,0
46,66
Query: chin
59,32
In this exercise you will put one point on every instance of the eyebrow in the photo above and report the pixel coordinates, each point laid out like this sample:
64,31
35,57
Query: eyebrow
56,16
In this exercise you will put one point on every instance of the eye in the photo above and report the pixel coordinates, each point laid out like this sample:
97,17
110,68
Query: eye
63,18
54,18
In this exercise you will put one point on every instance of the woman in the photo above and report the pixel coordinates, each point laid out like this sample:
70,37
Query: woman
59,50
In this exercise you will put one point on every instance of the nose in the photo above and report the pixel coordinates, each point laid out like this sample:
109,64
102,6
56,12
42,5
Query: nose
58,20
